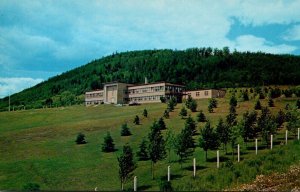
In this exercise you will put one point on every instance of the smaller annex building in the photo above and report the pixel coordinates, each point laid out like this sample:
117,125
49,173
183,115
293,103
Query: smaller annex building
122,93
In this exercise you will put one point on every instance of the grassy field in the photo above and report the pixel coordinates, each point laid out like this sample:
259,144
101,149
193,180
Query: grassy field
38,146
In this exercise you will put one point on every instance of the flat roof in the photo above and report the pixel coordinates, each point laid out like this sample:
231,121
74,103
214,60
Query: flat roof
160,82
96,91
204,90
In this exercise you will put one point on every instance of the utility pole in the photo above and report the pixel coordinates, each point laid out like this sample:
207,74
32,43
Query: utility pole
9,102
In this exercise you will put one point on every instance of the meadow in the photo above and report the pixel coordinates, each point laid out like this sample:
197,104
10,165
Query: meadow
38,146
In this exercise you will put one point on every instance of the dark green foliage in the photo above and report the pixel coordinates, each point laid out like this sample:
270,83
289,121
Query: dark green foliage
213,102
184,144
266,124
233,101
126,165
191,104
208,138
125,130
201,117
210,108
280,118
274,93
183,112
248,129
245,96
298,104
161,124
108,145
170,142
142,154
145,113
257,105
163,99
196,68
80,139
166,114
31,187
136,120
261,96
294,122
231,117
223,133
165,186
190,125
270,102
171,105
156,146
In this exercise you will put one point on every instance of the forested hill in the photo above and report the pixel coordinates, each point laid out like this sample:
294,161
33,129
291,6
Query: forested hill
195,68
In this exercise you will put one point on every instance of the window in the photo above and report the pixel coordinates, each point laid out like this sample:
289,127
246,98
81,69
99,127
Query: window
197,94
206,93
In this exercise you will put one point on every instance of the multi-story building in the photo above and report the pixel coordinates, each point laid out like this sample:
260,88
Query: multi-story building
121,93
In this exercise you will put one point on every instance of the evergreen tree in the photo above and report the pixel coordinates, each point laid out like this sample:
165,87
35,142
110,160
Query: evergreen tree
170,142
136,120
247,125
166,114
223,133
161,124
193,105
125,130
108,145
171,105
270,102
183,112
231,117
80,139
126,165
266,123
233,101
210,108
294,122
213,102
234,136
208,138
156,146
145,113
190,125
183,146
143,153
188,101
201,117
257,105
280,118
245,96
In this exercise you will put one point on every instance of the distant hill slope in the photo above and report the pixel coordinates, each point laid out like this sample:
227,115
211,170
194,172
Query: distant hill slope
196,68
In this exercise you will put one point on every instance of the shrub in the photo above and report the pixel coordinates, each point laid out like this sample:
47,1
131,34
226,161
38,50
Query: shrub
80,139
31,187
201,117
108,145
125,130
136,120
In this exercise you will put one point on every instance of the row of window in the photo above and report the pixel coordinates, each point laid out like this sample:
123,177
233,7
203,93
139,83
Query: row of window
92,95
156,89
146,98
94,102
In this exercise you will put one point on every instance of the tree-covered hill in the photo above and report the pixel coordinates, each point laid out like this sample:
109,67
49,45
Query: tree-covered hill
195,68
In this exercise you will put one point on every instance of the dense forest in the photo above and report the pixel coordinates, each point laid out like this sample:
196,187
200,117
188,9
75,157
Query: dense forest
194,67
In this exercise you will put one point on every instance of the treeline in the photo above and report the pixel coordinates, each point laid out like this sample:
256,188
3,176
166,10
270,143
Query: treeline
195,68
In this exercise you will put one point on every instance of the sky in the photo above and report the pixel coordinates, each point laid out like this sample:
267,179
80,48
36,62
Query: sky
43,38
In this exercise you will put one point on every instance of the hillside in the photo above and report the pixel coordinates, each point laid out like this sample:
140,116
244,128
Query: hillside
195,68
39,147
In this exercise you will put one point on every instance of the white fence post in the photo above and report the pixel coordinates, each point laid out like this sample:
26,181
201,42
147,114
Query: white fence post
256,146
271,141
298,133
238,149
169,173
135,183
218,159
194,165
286,137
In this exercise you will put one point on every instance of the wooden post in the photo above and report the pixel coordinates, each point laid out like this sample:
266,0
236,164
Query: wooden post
194,165
238,149
169,173
218,159
286,136
256,146
271,142
135,183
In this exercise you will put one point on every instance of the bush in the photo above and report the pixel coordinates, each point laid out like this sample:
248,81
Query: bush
31,187
125,130
257,105
201,117
80,139
183,112
108,145
165,186
136,120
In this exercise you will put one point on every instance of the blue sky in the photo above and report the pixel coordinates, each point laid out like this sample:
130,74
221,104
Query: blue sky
43,38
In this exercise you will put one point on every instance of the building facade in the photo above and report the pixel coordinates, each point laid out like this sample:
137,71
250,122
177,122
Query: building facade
205,94
122,93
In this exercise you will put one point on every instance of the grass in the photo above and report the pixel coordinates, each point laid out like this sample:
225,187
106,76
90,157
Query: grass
38,146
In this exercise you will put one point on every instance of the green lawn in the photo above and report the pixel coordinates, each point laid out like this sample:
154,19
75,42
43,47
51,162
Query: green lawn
38,146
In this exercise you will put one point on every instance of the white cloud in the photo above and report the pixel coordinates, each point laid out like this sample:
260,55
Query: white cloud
293,34
16,84
253,43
